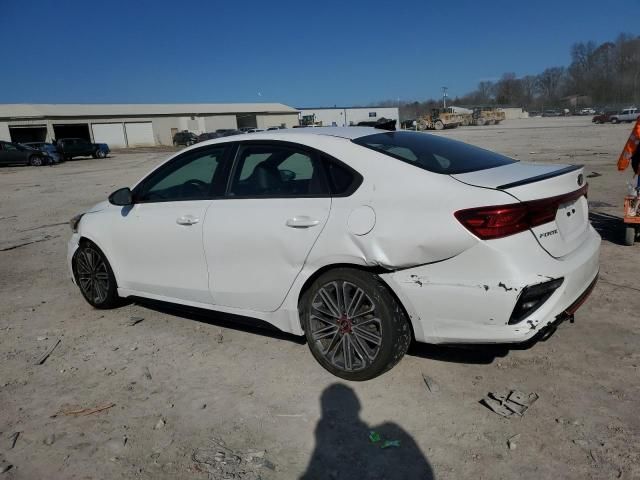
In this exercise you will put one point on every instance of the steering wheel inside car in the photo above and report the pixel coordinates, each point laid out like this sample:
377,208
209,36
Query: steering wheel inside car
194,188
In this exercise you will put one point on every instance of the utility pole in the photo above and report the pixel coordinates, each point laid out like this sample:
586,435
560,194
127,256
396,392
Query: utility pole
444,97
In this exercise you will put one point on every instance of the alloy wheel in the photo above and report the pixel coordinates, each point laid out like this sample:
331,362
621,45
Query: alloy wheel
344,326
93,276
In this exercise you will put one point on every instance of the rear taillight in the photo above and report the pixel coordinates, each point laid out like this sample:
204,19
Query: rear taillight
499,221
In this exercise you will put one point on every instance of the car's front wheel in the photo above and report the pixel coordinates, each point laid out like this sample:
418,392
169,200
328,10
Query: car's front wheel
94,276
100,154
354,326
35,161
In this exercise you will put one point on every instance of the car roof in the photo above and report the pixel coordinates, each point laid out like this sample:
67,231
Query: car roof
342,132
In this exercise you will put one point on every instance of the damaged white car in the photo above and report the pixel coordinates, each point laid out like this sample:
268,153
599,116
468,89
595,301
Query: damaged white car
358,238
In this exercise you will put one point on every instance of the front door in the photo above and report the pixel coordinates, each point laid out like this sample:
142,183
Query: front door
257,238
163,254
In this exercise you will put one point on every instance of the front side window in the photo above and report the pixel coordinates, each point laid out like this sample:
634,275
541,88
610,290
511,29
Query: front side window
189,177
276,171
433,153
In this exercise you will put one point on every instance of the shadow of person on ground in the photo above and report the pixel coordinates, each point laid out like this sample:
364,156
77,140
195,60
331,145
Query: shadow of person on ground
343,449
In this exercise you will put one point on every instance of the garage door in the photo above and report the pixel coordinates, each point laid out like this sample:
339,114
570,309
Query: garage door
139,134
110,133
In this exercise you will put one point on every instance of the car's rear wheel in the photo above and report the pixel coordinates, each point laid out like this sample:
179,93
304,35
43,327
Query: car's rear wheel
35,161
439,125
614,120
94,276
354,326
100,154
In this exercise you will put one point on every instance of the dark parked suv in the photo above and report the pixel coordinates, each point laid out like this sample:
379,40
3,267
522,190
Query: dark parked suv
79,147
14,153
184,137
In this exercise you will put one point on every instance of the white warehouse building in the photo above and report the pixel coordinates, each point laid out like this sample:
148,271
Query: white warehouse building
347,116
132,125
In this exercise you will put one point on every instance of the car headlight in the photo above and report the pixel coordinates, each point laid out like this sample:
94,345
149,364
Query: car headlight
73,223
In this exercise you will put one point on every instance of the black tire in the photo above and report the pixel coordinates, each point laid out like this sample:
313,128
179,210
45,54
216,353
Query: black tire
629,236
368,338
36,161
100,154
614,120
94,276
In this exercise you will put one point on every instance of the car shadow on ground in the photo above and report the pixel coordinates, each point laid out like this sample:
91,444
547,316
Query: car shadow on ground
610,227
459,353
219,319
347,448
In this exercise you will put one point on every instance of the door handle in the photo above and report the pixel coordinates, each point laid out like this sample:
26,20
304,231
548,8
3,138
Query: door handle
187,220
302,222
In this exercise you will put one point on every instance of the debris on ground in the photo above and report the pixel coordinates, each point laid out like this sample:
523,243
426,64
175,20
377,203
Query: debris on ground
390,443
134,321
219,337
147,373
594,175
50,439
88,411
45,355
160,424
512,442
221,461
28,242
4,465
431,384
13,438
509,404
375,437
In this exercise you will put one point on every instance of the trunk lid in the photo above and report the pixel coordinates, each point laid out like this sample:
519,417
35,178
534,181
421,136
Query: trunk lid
532,182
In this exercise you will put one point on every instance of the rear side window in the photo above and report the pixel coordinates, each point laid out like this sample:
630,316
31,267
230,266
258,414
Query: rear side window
433,153
276,171
342,180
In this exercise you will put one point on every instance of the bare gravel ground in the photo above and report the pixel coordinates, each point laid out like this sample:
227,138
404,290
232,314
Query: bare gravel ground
183,382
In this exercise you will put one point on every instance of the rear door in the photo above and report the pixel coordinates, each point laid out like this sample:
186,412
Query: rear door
257,238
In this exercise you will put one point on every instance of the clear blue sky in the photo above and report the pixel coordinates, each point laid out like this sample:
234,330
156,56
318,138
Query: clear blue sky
302,53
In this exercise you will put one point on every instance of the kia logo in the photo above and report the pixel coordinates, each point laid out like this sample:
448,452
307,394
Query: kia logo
580,180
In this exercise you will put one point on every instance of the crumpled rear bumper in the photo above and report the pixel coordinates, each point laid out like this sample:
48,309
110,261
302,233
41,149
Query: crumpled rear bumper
470,298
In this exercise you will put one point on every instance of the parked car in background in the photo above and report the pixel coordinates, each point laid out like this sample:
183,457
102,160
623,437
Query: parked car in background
79,147
48,148
16,154
552,113
604,117
275,128
246,129
184,137
487,249
587,111
254,130
627,115
206,136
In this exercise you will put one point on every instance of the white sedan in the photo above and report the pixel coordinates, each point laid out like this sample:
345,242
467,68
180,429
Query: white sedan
361,239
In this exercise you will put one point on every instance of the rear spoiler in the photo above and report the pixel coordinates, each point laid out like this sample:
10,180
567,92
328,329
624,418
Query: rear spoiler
539,178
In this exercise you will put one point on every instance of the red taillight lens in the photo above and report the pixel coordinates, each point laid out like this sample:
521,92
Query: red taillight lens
503,220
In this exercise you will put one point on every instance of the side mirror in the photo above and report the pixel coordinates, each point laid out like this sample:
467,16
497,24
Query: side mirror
122,197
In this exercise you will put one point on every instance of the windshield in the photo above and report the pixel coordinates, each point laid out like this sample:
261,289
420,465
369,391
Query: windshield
433,153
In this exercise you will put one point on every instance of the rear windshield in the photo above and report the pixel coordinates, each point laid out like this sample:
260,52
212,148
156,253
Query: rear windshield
433,153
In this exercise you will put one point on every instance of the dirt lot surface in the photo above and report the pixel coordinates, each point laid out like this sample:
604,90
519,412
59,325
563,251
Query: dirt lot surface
179,383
